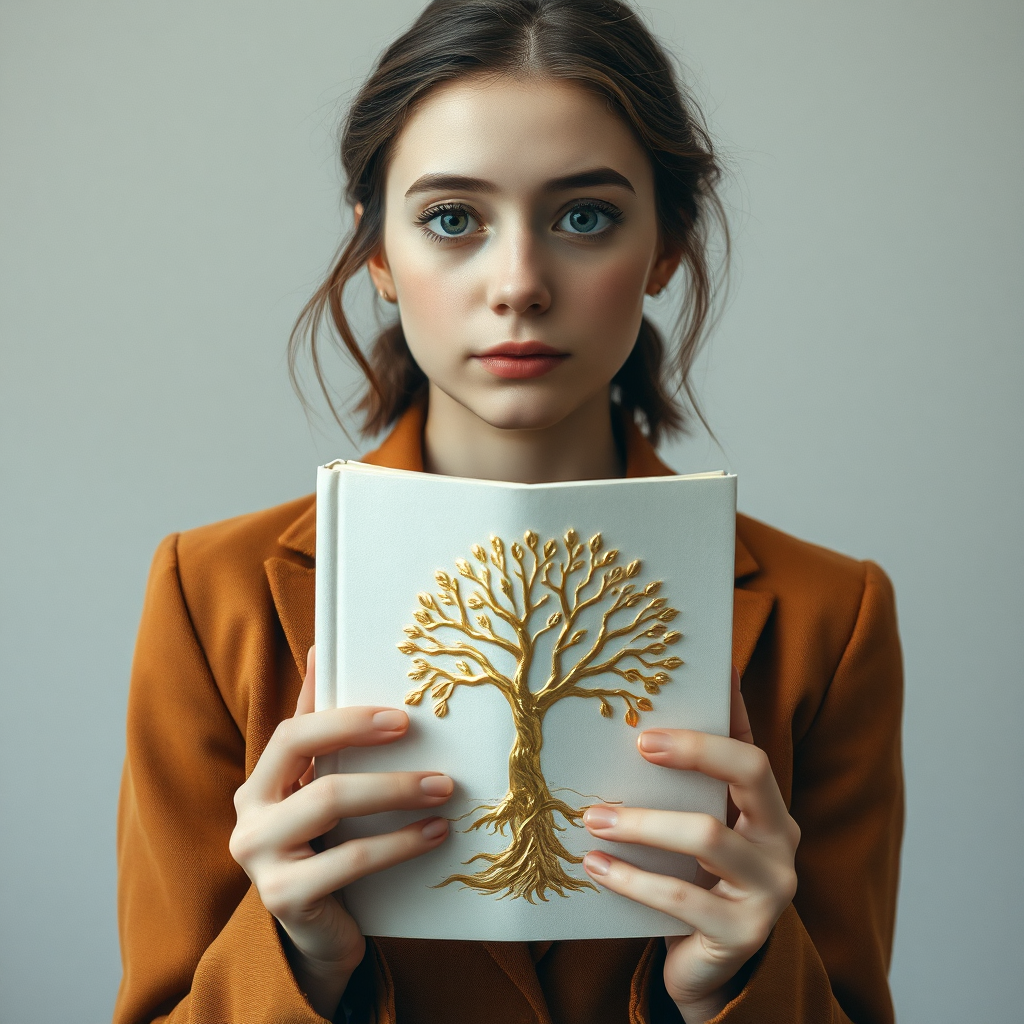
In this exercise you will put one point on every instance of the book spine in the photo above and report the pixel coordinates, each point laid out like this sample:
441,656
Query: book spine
326,619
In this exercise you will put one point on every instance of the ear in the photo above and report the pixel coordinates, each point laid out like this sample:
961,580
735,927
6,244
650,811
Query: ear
663,269
377,265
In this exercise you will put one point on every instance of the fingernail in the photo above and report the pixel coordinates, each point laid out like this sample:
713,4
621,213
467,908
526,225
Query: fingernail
654,742
437,785
600,817
435,828
389,721
596,863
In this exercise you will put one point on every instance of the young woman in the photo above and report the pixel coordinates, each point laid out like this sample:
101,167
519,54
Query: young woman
524,174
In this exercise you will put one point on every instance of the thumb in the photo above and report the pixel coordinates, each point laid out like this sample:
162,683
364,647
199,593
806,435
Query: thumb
307,695
739,722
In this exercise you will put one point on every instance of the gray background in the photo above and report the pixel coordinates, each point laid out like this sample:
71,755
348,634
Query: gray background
168,198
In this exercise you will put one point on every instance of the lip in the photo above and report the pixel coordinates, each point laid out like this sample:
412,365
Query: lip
520,360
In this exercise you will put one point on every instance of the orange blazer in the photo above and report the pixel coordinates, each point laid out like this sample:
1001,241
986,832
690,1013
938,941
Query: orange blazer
227,621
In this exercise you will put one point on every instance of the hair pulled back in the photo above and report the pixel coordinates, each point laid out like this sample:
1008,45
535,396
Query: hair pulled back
603,46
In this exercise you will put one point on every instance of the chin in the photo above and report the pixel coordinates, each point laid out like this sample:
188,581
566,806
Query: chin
521,412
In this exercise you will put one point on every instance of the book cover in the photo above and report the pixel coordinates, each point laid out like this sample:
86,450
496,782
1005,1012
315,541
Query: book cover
530,631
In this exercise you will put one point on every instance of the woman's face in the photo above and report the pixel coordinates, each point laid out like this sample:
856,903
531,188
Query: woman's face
519,238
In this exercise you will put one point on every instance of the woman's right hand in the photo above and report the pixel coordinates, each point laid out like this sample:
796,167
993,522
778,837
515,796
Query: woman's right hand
281,808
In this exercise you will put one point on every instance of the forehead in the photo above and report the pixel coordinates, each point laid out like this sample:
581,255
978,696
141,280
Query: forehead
514,132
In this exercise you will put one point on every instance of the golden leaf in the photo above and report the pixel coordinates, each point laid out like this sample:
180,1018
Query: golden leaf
479,554
631,717
416,674
656,648
634,600
668,615
463,667
464,568
575,567
577,636
531,539
633,568
413,632
517,550
441,709
610,556
658,602
422,616
673,638
443,579
447,599
652,588
595,543
672,662
661,678
652,687
442,690
408,648
554,619
483,621
550,549
615,574
506,587
413,697
632,675
475,601
644,704
571,539
606,708
426,600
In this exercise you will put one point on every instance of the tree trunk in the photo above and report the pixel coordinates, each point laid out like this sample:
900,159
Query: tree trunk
531,865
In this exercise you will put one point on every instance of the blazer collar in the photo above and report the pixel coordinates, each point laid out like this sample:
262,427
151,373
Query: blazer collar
403,449
292,584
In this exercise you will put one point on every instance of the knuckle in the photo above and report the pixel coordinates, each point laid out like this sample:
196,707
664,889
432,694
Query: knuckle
794,833
760,767
243,843
677,895
277,893
359,860
711,833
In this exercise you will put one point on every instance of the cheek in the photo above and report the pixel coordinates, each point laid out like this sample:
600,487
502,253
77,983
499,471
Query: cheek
609,300
434,302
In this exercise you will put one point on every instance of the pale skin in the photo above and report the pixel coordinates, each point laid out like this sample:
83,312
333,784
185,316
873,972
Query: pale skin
493,235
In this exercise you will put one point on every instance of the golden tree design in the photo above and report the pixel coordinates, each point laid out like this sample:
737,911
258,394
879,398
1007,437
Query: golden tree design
498,612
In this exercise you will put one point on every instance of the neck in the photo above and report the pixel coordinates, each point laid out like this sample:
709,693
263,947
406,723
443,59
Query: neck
457,442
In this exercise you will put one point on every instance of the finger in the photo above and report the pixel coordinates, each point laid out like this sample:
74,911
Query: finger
318,807
709,914
307,695
739,721
296,740
743,766
718,849
341,865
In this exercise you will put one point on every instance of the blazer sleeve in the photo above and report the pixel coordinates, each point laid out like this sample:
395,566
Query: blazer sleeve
827,959
197,944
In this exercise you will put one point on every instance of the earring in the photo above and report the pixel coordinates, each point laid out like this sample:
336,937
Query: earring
380,292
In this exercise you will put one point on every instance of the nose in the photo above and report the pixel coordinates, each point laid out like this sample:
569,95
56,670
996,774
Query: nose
518,283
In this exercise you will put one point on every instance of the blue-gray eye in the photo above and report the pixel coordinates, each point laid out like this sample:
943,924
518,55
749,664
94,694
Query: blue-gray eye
585,220
451,223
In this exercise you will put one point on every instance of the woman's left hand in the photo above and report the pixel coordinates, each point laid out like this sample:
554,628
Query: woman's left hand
752,860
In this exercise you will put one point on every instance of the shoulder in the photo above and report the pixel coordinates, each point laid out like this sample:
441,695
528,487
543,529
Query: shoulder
232,552
819,594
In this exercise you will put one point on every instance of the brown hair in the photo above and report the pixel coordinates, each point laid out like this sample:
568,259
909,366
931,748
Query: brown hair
603,46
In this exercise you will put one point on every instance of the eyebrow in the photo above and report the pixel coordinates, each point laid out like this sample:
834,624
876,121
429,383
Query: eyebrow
463,183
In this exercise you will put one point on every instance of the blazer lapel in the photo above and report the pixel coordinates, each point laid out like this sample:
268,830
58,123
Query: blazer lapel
293,587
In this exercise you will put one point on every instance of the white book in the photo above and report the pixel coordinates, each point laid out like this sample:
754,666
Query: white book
531,631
